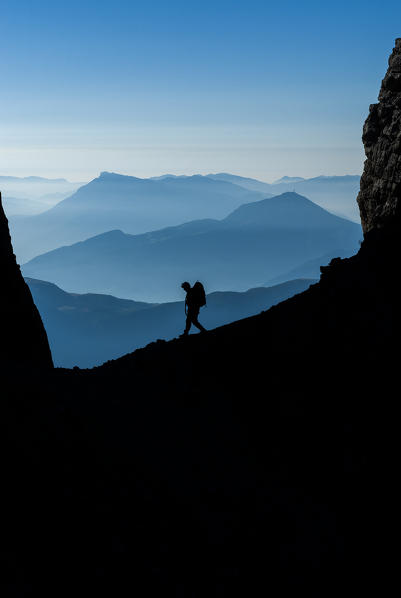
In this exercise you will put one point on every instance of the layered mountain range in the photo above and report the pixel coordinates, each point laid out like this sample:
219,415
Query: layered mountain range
334,193
31,195
135,205
253,244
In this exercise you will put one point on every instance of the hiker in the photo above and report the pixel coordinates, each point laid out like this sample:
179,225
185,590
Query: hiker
194,300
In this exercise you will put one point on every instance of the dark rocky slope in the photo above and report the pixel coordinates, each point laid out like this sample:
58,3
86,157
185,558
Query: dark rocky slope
87,330
23,337
259,459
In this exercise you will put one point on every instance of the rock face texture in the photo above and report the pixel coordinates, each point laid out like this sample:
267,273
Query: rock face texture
379,198
23,337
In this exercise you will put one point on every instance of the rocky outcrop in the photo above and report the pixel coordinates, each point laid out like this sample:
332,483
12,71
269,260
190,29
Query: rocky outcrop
379,198
23,337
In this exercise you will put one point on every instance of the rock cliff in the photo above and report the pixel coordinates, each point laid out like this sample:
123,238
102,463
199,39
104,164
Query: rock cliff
380,193
23,337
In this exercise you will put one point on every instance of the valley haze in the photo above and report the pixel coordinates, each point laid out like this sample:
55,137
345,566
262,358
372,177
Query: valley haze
255,242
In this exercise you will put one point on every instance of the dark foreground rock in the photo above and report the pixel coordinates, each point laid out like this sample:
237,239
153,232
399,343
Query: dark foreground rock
23,337
261,456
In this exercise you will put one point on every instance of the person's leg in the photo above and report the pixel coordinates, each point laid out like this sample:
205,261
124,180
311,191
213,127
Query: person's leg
195,322
187,324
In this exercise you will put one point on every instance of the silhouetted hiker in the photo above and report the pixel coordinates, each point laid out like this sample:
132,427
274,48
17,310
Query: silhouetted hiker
194,300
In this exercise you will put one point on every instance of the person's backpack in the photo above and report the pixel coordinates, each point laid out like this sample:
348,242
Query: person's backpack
198,294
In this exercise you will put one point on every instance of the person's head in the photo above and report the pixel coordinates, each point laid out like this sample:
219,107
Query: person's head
186,286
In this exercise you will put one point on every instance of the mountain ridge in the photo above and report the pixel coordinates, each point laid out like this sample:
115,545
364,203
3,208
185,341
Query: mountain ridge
133,204
32,178
230,254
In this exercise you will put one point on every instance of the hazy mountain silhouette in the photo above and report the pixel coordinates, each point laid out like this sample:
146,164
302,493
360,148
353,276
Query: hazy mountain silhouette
289,179
334,193
33,187
31,179
128,203
256,242
32,195
246,182
138,205
17,206
172,176
87,330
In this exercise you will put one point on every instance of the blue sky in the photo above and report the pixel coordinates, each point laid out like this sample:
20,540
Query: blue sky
260,89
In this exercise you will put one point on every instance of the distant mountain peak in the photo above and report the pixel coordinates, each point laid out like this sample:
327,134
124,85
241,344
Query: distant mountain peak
289,209
289,179
32,179
289,196
166,176
110,234
115,176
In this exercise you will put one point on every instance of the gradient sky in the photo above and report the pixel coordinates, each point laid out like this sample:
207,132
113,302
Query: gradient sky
261,89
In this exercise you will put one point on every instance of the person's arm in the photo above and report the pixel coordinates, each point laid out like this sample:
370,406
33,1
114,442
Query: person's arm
186,306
